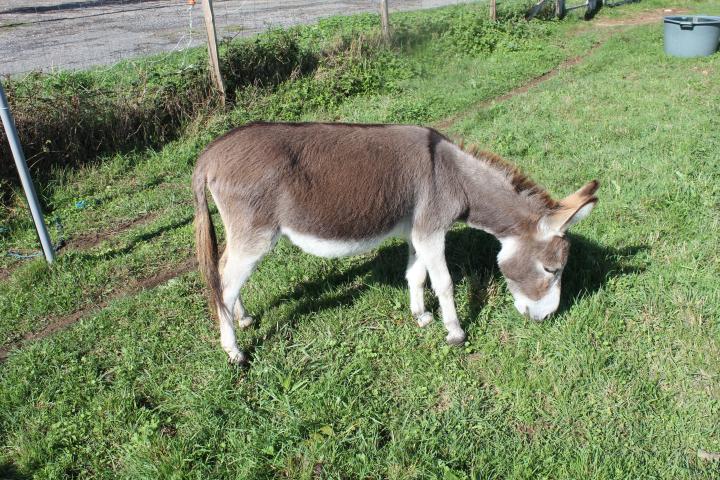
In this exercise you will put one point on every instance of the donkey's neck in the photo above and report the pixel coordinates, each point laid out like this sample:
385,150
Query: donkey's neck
500,200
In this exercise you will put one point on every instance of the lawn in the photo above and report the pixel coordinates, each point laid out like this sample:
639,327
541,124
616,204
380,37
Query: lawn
623,382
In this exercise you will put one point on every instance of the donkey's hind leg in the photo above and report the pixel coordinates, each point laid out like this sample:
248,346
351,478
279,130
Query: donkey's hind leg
241,318
241,258
416,274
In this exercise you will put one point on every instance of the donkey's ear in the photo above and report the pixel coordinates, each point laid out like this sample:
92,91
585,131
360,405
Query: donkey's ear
572,209
581,196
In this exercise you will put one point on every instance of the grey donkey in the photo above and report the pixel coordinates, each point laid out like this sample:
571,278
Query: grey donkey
341,189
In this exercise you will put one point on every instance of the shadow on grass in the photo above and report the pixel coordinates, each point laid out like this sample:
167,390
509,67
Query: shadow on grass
9,471
591,265
470,255
139,239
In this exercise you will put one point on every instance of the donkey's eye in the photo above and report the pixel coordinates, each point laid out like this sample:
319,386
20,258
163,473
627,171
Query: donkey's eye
551,271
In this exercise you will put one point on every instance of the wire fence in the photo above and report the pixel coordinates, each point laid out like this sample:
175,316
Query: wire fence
44,35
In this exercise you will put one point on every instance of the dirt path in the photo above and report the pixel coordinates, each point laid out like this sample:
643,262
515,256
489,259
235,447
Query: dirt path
644,18
453,119
56,324
89,240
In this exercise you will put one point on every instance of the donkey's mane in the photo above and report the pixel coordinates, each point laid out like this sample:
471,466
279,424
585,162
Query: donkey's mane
520,182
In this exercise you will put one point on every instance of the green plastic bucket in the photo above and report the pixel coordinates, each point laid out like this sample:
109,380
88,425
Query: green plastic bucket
695,36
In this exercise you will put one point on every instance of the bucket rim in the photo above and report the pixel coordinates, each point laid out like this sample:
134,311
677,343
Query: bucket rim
693,20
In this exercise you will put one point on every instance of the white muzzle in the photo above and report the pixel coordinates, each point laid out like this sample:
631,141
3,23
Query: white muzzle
538,309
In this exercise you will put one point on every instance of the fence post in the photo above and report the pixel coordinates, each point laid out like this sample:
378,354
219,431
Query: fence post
493,10
25,178
385,20
213,48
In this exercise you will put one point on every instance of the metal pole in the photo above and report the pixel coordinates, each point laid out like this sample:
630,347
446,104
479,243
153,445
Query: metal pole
27,183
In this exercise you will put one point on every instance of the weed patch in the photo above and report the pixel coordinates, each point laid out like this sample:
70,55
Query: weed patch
472,33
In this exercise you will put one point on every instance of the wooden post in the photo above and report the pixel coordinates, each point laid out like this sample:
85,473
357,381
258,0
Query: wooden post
493,10
385,19
213,48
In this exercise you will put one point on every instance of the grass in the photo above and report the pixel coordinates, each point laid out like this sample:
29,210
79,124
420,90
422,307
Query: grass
622,383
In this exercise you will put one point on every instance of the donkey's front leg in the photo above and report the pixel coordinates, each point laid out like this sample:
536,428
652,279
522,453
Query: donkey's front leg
431,251
416,274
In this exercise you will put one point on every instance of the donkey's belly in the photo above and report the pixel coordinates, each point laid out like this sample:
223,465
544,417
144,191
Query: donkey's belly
330,248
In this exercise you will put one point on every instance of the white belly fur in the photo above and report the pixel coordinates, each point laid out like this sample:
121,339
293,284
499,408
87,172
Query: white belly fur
328,248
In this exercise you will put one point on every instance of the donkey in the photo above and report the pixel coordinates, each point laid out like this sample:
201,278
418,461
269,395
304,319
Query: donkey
341,189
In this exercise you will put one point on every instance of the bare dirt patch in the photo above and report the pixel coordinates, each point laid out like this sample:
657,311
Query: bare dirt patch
164,276
643,18
444,401
89,240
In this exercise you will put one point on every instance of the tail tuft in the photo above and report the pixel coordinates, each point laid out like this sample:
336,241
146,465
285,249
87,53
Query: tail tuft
206,247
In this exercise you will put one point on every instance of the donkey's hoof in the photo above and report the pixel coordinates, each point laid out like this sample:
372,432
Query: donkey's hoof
245,322
237,358
455,338
424,319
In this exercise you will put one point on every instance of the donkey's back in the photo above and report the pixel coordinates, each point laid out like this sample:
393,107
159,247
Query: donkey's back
331,181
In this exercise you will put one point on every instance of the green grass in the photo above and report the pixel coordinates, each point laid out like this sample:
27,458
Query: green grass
624,382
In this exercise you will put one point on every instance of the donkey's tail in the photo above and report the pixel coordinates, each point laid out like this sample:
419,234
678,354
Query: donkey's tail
206,247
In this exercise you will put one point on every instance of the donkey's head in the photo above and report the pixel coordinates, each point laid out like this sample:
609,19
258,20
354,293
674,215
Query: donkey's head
533,262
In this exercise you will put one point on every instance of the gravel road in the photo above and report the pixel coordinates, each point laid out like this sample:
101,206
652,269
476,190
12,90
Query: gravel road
42,35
